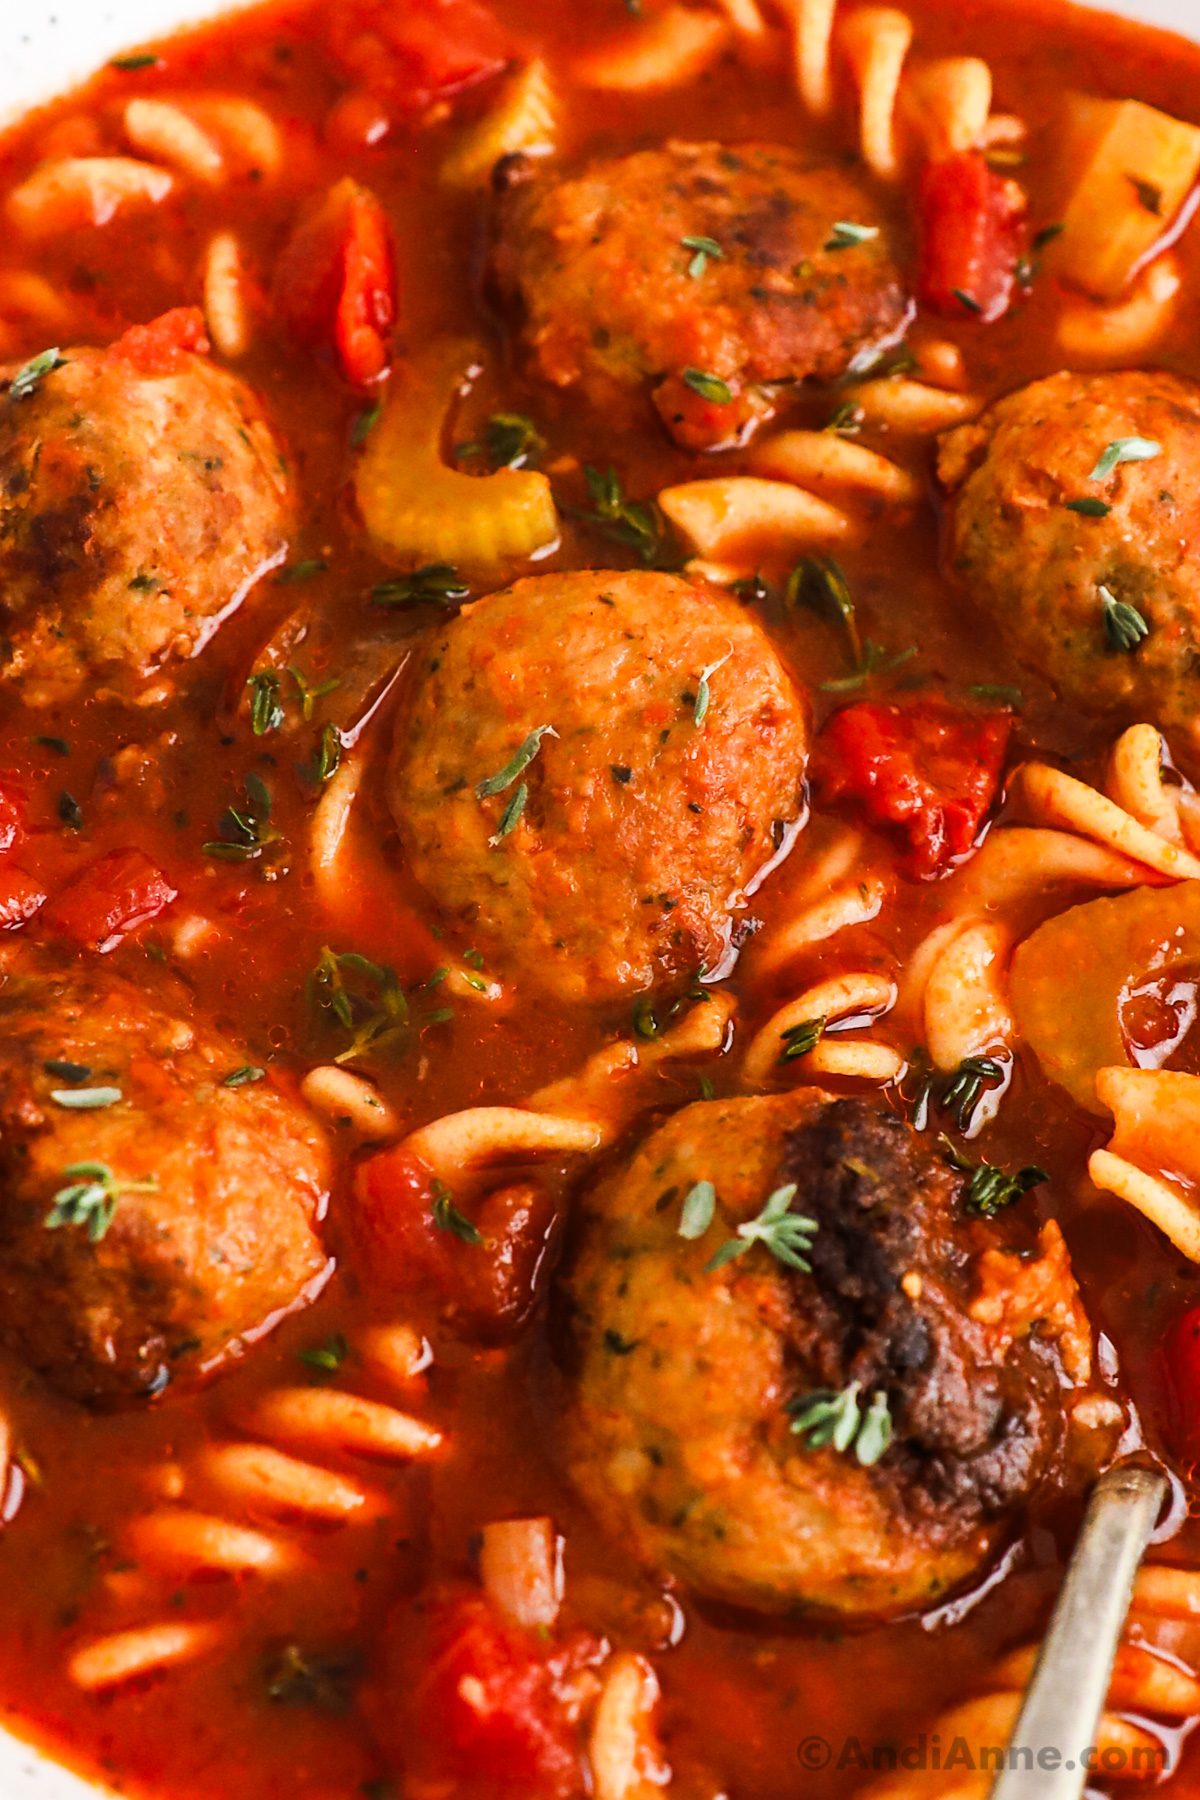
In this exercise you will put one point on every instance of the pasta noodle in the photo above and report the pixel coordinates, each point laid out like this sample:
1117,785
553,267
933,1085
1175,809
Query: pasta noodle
30,298
966,1011
665,50
266,1480
947,102
246,131
876,41
1168,1593
85,190
1157,1200
912,406
177,1539
347,1099
109,1661
838,997
850,905
855,1061
328,1418
1088,332
1020,866
729,514
225,311
163,130
459,1142
823,457
1059,800
520,1565
329,827
1135,783
814,42
624,1750
524,117
396,1352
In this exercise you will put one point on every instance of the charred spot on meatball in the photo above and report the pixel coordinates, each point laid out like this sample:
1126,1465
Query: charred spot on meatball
142,494
563,790
153,1219
691,1367
1051,545
647,270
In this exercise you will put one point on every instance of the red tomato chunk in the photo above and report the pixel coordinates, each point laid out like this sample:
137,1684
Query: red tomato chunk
20,898
489,1287
973,235
109,898
410,52
930,771
335,285
492,1705
159,347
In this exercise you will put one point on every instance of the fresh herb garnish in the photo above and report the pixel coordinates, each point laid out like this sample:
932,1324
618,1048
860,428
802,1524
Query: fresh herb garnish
991,1188
1089,508
798,1040
523,756
376,1012
707,249
328,1356
750,589
993,690
28,377
447,1217
965,1088
699,1205
634,523
70,811
709,387
324,1679
1149,196
1124,450
1047,235
266,708
968,300
140,59
85,1099
704,692
436,584
846,420
835,1418
510,818
244,833
303,571
845,235
1124,623
326,757
875,660
785,1234
91,1198
308,696
365,424
510,440
59,745
241,1077
67,1071
819,582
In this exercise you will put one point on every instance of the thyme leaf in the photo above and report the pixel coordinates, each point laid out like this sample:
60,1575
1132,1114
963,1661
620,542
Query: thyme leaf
787,1235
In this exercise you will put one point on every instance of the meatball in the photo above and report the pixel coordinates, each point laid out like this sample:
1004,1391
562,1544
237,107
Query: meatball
1050,572
691,1388
593,769
608,274
192,1226
142,494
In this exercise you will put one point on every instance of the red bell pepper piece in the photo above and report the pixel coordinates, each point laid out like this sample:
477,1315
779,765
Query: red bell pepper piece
108,899
411,52
159,348
973,232
335,284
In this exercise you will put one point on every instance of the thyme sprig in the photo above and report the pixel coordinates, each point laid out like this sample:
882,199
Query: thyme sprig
90,1198
832,1417
787,1235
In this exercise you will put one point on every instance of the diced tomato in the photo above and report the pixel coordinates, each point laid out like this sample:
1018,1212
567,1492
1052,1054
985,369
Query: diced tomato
410,52
487,1704
335,285
487,1289
159,348
108,899
973,235
930,770
12,815
1183,1379
20,898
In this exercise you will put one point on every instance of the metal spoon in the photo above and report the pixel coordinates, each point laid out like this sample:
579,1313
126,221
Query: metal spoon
1065,1697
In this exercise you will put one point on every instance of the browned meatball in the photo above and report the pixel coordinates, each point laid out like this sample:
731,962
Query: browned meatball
1050,573
598,268
699,1386
666,747
142,494
192,1225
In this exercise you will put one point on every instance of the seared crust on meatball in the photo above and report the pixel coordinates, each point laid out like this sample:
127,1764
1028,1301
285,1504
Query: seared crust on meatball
596,265
1038,566
137,508
217,1189
671,755
684,1379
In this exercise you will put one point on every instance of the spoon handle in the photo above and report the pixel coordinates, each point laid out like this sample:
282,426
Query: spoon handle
1065,1697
